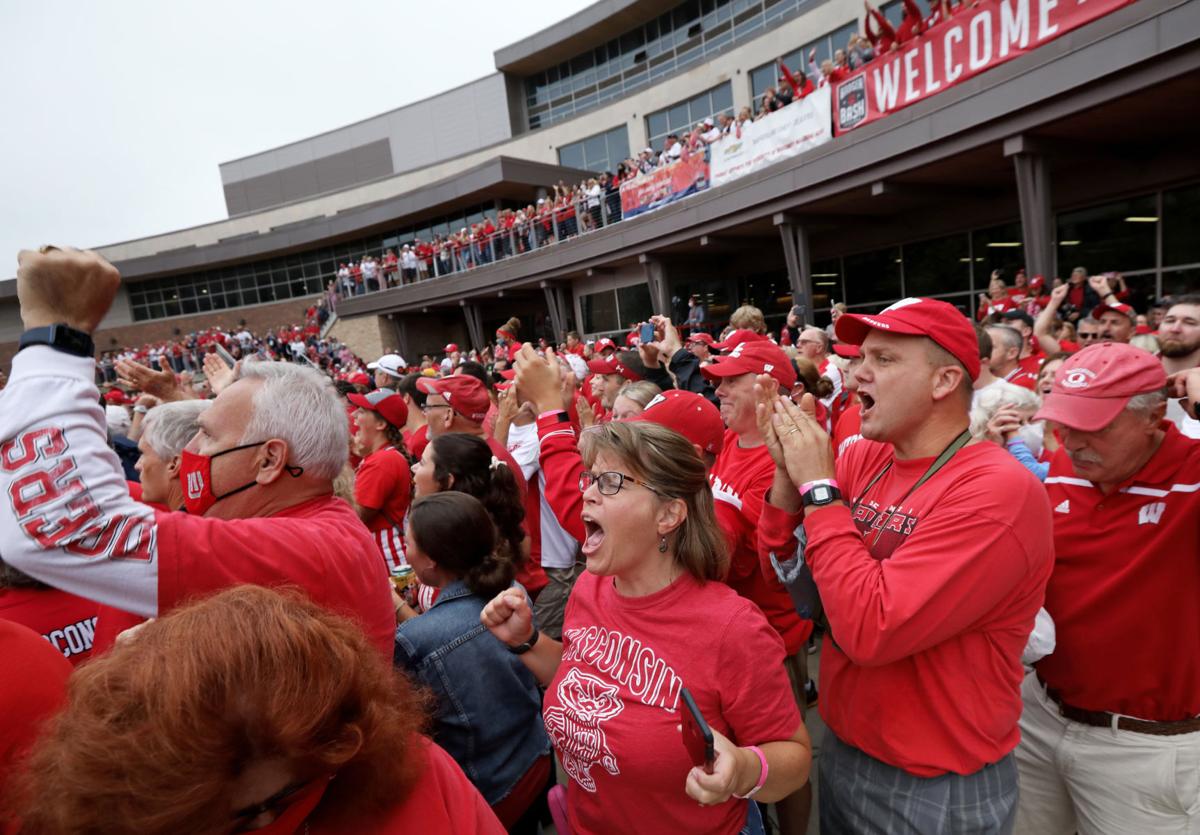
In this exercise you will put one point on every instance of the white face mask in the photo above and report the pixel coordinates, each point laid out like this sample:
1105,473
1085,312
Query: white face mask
1031,434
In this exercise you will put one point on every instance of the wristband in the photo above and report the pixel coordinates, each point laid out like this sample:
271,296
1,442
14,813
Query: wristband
809,485
762,777
141,410
561,414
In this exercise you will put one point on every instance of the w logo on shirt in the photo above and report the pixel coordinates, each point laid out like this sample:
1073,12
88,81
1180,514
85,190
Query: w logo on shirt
1150,514
195,485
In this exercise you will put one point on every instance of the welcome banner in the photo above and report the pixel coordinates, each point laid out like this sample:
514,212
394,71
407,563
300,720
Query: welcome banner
664,185
788,131
970,42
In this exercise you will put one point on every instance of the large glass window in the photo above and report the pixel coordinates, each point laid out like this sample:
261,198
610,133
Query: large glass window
937,267
633,303
997,248
597,153
827,283
796,61
683,116
599,312
693,31
1119,236
1181,226
873,276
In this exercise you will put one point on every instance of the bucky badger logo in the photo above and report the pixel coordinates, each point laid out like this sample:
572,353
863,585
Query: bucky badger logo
575,728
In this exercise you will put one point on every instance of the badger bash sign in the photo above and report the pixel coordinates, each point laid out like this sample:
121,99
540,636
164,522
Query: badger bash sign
788,131
970,42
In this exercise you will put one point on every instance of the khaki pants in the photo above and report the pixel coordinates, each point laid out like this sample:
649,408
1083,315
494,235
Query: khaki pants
1078,778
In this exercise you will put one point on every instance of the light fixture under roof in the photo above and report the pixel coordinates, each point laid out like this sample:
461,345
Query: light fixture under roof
1004,244
1141,219
1069,243
826,283
824,275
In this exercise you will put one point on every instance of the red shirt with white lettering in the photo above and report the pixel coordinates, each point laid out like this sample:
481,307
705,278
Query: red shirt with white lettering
613,707
740,479
848,428
319,545
922,668
1126,584
67,622
383,482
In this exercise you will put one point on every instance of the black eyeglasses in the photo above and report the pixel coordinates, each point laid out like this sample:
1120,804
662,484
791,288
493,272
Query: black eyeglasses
1086,336
609,484
275,803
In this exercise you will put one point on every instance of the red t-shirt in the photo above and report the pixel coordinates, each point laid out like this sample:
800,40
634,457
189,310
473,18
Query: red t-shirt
67,622
383,482
848,428
740,479
1020,377
417,441
613,707
1126,584
923,665
32,689
443,802
1032,364
319,545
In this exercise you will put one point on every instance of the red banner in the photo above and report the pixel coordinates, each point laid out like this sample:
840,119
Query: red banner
664,185
971,41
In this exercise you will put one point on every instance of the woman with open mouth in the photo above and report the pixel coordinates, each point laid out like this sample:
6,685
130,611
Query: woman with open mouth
648,619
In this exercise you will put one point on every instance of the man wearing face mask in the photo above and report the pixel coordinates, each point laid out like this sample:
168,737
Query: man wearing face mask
257,478
1105,752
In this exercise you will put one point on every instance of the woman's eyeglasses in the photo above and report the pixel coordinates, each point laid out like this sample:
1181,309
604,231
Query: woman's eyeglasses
609,484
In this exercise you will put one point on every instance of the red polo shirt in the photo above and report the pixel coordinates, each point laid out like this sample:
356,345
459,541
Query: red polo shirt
1126,584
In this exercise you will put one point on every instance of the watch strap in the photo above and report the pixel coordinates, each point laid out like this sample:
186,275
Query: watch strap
820,495
60,337
521,649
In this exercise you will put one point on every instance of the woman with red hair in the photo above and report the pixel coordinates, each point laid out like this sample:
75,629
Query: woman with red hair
253,710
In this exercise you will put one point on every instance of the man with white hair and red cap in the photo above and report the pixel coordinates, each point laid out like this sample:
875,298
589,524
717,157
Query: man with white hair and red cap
931,554
1110,734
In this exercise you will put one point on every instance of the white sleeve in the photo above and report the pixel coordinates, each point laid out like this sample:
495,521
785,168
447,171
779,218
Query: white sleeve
66,517
523,446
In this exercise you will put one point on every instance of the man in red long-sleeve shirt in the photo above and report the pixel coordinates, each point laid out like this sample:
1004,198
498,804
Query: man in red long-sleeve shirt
1102,751
931,572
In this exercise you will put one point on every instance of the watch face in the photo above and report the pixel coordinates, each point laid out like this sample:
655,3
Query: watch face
821,494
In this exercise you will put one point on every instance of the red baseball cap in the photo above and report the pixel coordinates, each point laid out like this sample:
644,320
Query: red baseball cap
360,379
850,352
754,357
116,397
1123,309
701,336
1037,282
465,394
941,322
1093,386
691,415
386,403
737,337
604,343
611,365
451,348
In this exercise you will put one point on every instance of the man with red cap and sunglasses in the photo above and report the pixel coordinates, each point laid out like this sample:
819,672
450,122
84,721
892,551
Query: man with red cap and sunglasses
383,479
258,476
931,554
740,478
1110,734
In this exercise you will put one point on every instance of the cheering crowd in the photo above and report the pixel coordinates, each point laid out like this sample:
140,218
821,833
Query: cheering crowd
526,584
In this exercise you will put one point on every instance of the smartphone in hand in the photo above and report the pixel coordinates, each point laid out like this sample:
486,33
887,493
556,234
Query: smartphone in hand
646,333
225,356
697,735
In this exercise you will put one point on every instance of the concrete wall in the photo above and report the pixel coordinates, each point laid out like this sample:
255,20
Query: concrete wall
539,146
368,336
444,126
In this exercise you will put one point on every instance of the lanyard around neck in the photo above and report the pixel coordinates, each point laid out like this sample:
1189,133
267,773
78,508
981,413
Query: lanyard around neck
939,462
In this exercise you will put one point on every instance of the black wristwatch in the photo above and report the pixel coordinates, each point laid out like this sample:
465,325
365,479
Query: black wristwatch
820,495
60,337
521,649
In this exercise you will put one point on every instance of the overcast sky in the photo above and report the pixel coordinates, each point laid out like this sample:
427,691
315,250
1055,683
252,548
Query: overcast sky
116,113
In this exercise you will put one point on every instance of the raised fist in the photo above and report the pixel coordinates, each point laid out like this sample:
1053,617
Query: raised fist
72,286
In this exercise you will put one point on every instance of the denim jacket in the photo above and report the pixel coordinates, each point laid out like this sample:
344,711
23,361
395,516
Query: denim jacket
489,709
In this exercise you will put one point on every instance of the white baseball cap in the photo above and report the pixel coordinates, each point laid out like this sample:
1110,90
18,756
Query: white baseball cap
393,364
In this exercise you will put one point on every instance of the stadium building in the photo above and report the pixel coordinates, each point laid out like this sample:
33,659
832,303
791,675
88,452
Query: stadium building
1043,133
